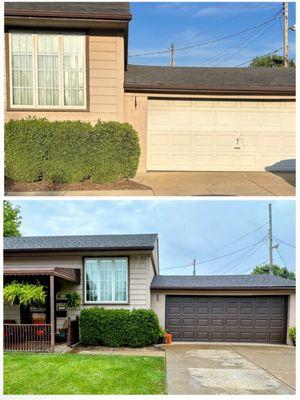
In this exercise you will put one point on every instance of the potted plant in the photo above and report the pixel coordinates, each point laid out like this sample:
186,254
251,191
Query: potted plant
292,335
73,300
24,294
168,337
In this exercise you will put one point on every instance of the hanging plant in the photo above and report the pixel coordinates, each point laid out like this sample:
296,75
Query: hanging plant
73,300
24,293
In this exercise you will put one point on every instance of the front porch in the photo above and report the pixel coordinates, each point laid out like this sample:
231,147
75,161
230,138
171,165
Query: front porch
35,328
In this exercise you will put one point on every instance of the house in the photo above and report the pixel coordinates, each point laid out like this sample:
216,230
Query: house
122,271
70,61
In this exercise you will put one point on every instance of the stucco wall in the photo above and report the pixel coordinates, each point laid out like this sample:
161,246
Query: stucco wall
158,301
140,276
105,69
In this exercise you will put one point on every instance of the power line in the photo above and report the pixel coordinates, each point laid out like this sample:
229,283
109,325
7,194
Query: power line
268,54
208,42
216,258
224,22
223,247
232,264
287,244
245,258
282,259
252,41
215,57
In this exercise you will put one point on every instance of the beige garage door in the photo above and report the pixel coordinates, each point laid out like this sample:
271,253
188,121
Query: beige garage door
221,135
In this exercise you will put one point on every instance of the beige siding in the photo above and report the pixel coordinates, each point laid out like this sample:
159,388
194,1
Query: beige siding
158,302
140,276
105,67
184,135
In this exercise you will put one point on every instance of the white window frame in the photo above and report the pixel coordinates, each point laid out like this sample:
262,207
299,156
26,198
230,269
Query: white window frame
97,259
35,105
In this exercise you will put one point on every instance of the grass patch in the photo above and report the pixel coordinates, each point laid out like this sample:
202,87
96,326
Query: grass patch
82,374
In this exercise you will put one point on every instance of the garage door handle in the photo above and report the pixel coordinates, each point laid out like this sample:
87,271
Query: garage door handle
237,143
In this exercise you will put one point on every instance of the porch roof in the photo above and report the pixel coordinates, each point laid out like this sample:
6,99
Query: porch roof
69,274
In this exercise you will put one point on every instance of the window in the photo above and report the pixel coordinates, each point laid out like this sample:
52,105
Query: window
47,70
106,280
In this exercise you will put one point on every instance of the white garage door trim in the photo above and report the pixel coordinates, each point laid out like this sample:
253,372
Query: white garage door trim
220,135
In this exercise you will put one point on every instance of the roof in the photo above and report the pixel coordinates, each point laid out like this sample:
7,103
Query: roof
221,282
88,242
90,9
69,274
210,80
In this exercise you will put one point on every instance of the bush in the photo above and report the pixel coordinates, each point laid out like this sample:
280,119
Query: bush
115,328
292,335
70,151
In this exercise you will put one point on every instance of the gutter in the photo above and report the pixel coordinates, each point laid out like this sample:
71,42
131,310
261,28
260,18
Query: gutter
200,89
232,288
80,249
61,14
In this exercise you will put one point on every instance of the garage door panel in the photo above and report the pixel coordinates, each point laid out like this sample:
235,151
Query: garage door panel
227,318
201,135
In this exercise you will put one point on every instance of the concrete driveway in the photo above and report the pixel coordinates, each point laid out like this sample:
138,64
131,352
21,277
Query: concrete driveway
230,369
219,183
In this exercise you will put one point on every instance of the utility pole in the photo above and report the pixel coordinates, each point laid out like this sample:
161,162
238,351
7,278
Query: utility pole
286,33
270,240
172,54
194,267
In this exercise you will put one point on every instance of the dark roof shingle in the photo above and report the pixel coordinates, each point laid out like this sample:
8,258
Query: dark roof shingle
87,242
83,7
225,78
215,282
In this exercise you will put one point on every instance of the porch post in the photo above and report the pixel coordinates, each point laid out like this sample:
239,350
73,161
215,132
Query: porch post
52,313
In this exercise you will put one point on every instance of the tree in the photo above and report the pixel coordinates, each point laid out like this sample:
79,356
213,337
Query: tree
270,61
277,271
11,219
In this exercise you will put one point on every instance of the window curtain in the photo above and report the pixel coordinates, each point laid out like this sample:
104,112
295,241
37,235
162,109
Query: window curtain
120,279
91,280
106,282
22,68
47,69
73,55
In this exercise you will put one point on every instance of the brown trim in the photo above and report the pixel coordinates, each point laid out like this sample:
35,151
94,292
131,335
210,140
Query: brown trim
84,303
66,14
200,89
220,288
52,312
69,274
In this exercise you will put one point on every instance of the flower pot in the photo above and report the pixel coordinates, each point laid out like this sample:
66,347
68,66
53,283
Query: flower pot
168,338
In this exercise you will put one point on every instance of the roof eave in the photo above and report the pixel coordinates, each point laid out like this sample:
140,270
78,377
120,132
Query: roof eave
80,249
226,288
194,89
60,14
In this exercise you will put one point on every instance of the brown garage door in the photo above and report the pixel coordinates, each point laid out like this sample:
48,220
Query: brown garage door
230,318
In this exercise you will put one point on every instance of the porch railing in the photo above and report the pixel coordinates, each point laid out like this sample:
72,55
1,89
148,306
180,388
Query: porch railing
27,337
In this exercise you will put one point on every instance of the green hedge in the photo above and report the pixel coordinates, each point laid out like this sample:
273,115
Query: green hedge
119,327
70,151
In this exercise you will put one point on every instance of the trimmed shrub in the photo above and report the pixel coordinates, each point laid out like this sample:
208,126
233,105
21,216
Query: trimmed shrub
70,151
119,327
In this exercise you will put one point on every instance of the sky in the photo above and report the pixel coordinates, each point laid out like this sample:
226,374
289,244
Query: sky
187,229
155,25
